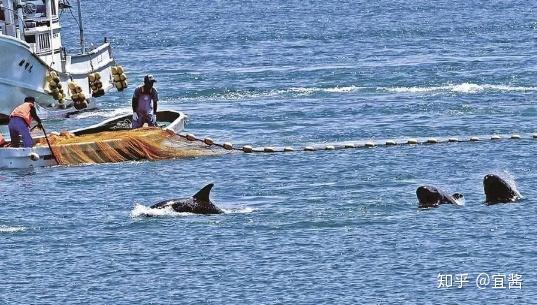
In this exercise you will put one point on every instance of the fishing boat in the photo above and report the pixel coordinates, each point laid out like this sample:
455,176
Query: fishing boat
40,155
33,61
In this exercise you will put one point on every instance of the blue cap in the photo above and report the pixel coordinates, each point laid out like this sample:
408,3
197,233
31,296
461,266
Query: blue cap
149,78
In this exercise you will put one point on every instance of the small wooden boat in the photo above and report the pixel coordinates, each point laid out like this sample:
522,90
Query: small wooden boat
41,155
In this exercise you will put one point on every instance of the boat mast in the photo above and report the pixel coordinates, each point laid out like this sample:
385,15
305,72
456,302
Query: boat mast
20,18
82,47
52,46
9,19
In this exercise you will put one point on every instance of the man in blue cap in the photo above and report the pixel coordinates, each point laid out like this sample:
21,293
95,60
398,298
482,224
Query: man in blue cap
142,110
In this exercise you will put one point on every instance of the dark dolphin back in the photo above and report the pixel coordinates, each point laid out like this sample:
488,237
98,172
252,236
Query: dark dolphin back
203,194
497,190
202,202
431,196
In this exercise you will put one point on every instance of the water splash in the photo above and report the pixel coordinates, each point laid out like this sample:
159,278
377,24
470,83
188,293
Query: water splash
140,210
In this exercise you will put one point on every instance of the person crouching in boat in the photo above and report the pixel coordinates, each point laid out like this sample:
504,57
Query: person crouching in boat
2,141
142,112
20,121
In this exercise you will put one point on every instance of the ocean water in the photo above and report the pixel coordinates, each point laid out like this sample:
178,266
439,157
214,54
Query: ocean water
328,227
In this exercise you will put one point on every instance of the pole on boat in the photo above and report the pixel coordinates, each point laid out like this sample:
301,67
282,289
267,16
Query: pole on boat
48,143
82,47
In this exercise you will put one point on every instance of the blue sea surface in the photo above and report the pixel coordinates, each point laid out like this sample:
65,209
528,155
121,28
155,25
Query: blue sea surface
325,227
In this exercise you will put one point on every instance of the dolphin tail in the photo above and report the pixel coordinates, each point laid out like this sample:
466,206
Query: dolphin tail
203,194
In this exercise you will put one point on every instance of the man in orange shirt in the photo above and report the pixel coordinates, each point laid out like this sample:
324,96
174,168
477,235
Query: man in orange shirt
20,121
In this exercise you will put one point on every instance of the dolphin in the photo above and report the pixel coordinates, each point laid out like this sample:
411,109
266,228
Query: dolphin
431,197
497,190
198,204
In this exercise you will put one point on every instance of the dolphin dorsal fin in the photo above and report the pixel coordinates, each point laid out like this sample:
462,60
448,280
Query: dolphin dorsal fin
203,194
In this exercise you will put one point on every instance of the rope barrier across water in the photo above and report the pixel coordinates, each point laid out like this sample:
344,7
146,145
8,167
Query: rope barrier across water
357,144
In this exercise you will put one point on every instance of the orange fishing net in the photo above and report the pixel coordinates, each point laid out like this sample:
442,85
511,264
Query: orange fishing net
124,145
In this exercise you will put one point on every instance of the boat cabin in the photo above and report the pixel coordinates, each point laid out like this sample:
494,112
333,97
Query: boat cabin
37,23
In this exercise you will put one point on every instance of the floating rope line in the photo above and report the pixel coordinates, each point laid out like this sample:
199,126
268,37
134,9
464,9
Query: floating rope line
356,144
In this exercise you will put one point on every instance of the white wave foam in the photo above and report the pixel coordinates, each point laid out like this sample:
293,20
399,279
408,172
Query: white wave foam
312,90
412,89
459,88
342,89
467,88
244,210
6,229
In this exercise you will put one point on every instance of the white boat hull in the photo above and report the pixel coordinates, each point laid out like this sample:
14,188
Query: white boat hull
17,82
21,157
22,74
